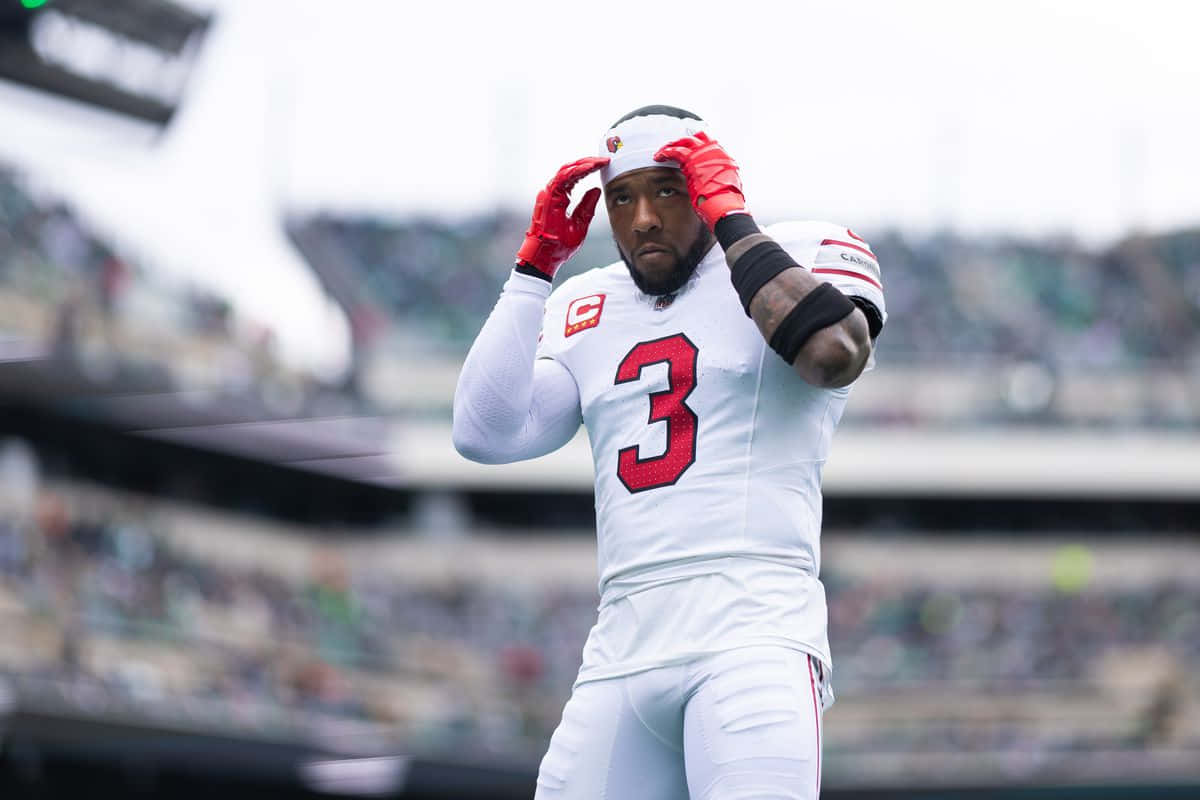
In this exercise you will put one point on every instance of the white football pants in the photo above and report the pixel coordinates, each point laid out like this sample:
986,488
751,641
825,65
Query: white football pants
740,725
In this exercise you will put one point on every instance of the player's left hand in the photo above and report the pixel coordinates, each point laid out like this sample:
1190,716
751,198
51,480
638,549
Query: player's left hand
712,176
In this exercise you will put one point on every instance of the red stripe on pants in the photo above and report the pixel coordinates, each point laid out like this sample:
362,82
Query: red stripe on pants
812,681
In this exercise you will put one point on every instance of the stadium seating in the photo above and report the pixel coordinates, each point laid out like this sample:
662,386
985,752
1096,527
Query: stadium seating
1054,301
996,330
123,604
64,293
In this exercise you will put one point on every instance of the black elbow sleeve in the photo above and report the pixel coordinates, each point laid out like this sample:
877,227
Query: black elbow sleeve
820,308
871,312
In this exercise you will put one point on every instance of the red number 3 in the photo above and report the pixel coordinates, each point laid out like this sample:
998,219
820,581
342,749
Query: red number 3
639,474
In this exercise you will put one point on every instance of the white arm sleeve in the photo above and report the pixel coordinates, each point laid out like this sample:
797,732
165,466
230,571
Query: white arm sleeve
509,406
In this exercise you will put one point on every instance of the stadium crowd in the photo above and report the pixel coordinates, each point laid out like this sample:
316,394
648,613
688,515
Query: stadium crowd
108,602
102,315
949,296
416,290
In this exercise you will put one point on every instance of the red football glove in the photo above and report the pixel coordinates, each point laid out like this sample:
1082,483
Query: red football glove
553,237
712,175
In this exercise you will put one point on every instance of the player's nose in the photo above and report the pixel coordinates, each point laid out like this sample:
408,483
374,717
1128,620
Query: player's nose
645,218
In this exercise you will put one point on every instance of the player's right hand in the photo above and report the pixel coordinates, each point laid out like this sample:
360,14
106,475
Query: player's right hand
553,237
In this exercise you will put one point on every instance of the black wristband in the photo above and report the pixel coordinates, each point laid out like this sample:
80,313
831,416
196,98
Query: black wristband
732,227
533,272
819,309
756,267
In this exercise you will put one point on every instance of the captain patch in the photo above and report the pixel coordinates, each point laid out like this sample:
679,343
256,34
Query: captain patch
584,313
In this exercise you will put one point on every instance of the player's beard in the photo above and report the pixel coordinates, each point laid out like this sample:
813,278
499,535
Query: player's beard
684,268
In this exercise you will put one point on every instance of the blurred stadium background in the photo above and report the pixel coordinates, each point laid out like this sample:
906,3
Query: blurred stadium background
228,567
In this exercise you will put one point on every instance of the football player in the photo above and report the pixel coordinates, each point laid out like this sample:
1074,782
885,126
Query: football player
710,366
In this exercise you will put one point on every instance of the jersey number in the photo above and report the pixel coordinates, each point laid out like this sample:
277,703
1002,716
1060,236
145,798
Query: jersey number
639,474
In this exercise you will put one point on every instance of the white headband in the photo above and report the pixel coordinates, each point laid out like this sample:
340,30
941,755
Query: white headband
632,144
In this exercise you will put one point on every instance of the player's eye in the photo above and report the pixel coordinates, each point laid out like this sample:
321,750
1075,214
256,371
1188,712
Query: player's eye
667,191
620,199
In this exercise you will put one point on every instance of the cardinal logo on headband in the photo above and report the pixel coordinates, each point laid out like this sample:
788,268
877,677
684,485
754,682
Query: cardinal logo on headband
613,143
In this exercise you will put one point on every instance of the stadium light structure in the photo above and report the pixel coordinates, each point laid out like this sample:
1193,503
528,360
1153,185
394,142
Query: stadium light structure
127,56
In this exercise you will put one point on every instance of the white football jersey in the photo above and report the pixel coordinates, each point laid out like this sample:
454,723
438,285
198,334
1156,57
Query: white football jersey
707,446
